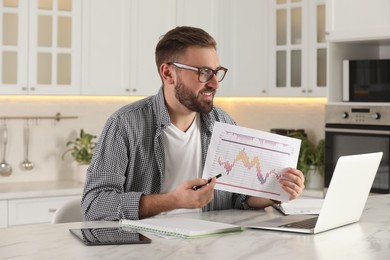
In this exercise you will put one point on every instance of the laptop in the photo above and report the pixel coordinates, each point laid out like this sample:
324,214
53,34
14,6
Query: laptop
344,202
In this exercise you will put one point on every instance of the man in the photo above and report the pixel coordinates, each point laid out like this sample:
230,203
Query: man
151,153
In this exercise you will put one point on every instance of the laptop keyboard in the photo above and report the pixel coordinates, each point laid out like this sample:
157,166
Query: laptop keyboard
305,224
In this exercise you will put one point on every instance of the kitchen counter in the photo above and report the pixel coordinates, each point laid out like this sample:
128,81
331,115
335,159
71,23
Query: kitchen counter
39,189
367,239
34,202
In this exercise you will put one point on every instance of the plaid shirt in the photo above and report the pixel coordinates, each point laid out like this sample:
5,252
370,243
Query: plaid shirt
129,161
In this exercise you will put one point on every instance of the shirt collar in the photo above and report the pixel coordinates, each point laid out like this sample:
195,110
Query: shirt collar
161,110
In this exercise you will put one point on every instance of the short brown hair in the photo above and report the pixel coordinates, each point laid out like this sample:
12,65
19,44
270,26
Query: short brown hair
177,40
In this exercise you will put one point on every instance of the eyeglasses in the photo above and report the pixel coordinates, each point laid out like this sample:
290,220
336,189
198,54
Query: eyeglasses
205,74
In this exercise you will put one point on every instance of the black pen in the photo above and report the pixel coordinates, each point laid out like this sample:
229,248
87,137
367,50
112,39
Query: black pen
200,186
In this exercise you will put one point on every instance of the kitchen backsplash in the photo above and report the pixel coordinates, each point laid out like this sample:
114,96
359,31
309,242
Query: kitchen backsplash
48,137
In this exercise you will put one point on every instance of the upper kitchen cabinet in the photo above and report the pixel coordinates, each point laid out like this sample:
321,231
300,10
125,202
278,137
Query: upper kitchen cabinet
40,47
150,19
356,29
353,20
241,31
119,39
298,48
105,47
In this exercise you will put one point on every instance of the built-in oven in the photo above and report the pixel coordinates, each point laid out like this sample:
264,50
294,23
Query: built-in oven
353,128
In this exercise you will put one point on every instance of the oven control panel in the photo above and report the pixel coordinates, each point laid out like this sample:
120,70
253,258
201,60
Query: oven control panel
357,114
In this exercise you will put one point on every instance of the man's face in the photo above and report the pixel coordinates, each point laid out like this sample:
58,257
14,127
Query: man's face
198,101
189,91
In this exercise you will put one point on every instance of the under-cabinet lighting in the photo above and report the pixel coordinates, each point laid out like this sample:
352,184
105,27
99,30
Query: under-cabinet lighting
262,100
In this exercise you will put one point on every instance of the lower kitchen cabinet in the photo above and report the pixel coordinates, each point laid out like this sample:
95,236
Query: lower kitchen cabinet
3,214
15,212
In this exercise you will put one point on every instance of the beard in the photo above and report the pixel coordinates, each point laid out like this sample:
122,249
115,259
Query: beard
192,101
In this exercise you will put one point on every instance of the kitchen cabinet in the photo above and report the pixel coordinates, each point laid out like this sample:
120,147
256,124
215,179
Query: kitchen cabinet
355,30
3,214
106,47
298,48
111,51
40,47
37,210
243,47
34,202
354,20
126,38
150,19
119,42
31,210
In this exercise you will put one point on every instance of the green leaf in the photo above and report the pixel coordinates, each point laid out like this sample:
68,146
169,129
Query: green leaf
82,148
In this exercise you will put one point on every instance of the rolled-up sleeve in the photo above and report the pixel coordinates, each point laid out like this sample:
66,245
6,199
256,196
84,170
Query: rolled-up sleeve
104,196
123,167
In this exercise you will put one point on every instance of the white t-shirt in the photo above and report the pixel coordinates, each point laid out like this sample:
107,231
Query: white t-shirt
183,156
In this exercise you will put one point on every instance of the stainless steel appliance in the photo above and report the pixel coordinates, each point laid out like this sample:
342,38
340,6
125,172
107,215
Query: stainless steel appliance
353,128
366,80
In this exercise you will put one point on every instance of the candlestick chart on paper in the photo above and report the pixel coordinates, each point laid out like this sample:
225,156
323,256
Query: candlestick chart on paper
251,161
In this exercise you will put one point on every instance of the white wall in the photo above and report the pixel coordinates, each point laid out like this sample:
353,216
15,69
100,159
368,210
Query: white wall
48,137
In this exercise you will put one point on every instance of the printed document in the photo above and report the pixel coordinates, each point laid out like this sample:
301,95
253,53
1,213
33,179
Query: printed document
251,161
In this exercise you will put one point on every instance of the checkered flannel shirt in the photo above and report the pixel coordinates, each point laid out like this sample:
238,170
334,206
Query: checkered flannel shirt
129,161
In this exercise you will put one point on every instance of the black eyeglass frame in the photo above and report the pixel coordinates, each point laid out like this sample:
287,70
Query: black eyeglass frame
201,70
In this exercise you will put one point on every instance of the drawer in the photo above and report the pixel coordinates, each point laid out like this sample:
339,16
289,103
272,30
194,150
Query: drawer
38,210
3,213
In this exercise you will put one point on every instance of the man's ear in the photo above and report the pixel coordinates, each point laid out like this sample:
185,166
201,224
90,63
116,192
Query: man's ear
167,73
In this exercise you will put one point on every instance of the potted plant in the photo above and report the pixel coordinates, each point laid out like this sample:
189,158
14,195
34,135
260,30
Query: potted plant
311,161
81,149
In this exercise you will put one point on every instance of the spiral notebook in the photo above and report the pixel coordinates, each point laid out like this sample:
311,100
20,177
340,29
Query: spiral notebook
180,226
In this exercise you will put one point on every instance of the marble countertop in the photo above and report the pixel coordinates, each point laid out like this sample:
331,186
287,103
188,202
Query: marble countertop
39,189
367,239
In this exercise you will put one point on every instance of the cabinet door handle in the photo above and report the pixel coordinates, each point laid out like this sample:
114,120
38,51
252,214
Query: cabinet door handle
51,210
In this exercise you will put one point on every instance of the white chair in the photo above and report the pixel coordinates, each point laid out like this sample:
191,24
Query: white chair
70,211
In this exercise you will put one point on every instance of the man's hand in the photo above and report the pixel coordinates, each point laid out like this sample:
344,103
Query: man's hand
186,197
293,182
182,197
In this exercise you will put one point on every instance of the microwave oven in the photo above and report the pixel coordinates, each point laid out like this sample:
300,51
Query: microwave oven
366,80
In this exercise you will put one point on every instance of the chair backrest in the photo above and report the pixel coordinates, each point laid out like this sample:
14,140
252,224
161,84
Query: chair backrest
70,211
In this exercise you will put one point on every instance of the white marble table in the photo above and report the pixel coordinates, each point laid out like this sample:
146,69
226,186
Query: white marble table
367,239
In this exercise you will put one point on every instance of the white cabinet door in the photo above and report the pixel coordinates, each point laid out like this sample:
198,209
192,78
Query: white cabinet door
242,35
350,20
119,40
105,47
297,48
54,47
38,210
240,31
40,47
3,214
150,20
13,47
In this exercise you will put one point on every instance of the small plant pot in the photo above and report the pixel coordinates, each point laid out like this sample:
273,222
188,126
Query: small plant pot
80,173
315,181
